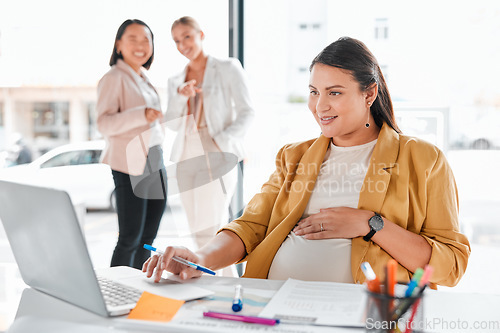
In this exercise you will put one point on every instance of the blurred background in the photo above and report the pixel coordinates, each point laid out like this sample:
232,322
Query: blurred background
440,59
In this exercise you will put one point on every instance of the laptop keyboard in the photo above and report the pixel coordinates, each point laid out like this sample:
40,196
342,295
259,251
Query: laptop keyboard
116,294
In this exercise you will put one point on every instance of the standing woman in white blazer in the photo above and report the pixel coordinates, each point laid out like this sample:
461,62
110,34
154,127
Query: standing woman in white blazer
209,105
129,114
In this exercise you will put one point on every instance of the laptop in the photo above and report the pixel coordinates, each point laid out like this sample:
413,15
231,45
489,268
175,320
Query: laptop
50,250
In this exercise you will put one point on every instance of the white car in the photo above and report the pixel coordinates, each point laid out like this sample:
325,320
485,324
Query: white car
74,168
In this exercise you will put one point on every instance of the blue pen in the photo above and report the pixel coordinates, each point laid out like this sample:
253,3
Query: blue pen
182,260
414,282
238,299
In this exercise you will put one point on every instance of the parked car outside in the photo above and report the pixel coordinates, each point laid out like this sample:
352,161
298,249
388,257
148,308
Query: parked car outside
74,168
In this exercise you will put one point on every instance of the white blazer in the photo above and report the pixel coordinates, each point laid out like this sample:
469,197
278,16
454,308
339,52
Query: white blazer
226,104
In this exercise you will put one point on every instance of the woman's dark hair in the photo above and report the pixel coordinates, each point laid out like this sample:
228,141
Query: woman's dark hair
352,55
121,30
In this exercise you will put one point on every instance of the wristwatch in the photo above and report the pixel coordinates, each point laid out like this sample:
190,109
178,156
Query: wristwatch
376,223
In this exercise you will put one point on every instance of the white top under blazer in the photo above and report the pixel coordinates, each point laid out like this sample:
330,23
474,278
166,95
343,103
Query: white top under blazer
338,185
226,103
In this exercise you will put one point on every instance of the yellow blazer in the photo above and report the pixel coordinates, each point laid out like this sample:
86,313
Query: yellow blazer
408,181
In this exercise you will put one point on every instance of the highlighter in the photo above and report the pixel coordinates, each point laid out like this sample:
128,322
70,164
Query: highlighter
372,282
238,298
426,276
414,282
390,277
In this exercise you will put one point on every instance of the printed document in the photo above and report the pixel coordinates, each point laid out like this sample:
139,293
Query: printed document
318,303
190,316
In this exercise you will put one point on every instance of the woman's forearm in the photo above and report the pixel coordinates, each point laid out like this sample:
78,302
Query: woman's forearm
409,249
225,249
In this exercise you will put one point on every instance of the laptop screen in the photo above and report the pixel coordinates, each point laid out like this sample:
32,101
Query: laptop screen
48,244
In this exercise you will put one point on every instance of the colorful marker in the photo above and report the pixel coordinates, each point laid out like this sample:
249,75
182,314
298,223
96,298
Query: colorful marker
245,319
372,281
415,280
238,298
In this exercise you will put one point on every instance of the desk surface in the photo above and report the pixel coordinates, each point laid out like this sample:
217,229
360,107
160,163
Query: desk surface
444,312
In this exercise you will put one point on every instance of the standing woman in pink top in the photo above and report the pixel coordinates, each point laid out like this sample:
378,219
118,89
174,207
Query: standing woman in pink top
129,115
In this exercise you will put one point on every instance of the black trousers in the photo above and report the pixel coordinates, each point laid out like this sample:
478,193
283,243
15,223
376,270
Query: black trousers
140,203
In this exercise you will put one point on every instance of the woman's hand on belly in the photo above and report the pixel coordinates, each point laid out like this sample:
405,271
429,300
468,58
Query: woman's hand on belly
336,222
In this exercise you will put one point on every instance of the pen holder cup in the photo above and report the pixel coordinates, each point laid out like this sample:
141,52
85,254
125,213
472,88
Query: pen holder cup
391,314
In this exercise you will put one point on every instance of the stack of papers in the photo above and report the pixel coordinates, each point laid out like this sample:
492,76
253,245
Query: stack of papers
318,303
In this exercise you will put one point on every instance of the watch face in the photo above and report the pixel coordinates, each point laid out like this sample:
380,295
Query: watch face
376,222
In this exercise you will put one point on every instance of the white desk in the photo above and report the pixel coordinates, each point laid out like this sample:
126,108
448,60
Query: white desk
444,311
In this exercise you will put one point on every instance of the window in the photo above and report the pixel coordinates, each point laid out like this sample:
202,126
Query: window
51,120
313,26
3,138
385,72
63,159
381,28
78,157
92,121
53,98
89,156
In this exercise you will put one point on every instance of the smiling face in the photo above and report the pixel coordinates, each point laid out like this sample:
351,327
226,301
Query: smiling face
340,106
136,46
188,40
